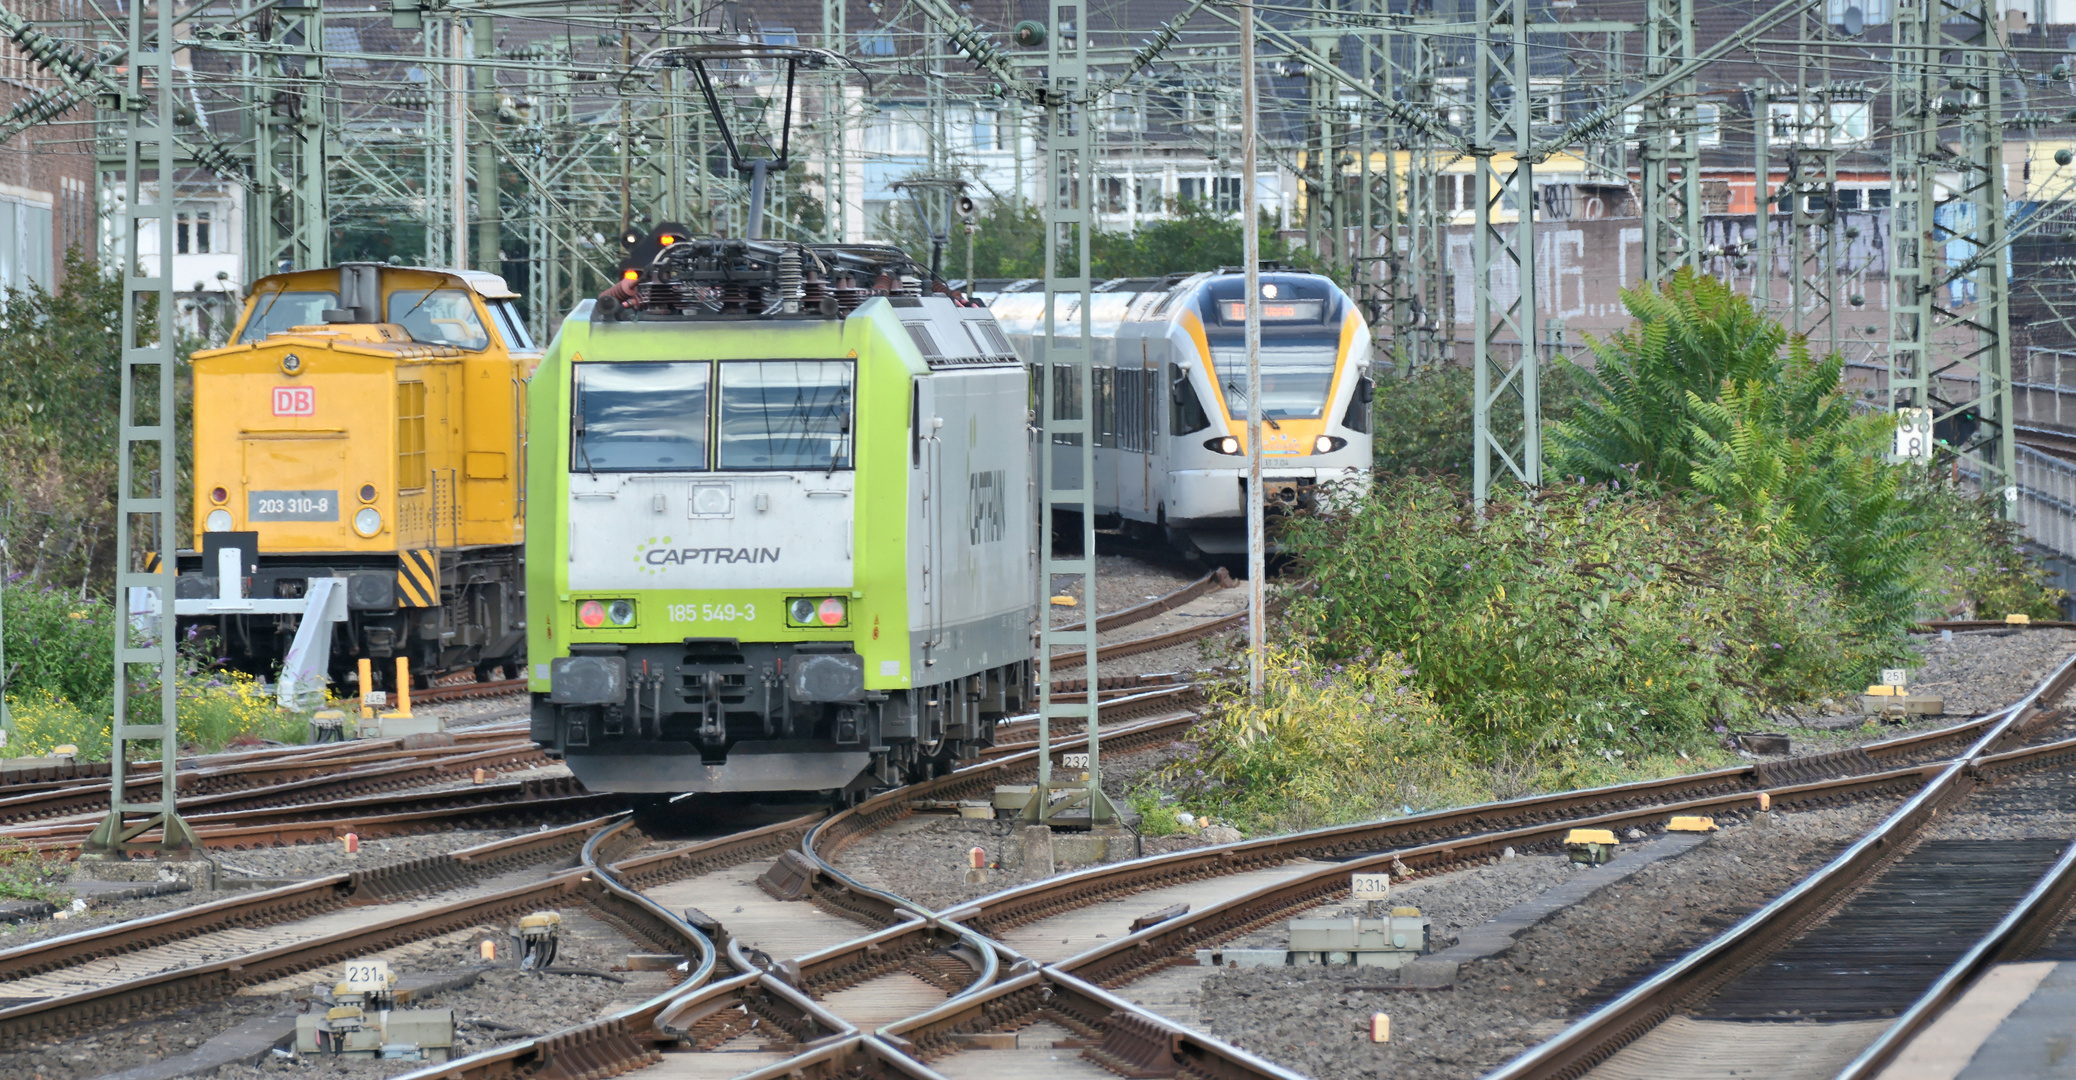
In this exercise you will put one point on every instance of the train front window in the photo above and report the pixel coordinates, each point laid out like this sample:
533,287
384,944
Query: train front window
640,417
1295,379
276,312
439,317
786,414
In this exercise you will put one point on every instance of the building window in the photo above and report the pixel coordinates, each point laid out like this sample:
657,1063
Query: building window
191,233
1126,113
1150,196
1708,124
1847,123
878,41
1226,194
1113,189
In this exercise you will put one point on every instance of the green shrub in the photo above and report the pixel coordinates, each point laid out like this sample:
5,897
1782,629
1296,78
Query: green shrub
58,644
1574,619
1422,420
1974,564
28,874
1326,742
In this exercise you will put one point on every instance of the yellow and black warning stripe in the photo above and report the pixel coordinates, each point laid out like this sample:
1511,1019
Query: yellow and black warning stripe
151,562
418,579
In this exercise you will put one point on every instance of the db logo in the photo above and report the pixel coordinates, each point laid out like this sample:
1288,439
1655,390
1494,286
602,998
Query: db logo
295,401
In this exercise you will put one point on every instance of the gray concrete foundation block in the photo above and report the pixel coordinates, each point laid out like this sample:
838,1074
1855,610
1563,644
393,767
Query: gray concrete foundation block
197,873
1038,854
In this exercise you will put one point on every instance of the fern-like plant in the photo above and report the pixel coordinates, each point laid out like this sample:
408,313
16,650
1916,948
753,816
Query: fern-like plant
1633,422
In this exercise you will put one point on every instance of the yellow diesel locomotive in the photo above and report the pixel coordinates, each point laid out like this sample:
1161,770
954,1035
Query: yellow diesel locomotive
368,423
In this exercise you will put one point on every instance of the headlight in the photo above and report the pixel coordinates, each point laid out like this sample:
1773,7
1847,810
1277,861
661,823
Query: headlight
1223,444
1327,444
620,612
591,615
368,521
218,521
818,611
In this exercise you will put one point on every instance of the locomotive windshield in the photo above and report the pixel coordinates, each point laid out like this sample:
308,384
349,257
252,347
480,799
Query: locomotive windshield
640,417
1295,378
277,311
439,317
1300,344
786,414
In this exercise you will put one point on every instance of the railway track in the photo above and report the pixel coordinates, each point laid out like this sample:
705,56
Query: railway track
968,973
1837,947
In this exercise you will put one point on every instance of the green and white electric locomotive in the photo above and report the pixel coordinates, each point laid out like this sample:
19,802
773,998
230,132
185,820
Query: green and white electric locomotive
780,522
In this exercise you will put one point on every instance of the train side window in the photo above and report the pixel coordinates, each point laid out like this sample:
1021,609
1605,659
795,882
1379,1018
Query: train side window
1358,418
410,436
915,430
1186,413
505,316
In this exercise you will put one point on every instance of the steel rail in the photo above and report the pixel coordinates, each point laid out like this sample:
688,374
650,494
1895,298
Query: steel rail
1599,1035
287,902
1150,643
1214,581
312,780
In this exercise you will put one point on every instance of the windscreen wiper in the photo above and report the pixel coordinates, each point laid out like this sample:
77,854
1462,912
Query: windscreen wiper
1265,417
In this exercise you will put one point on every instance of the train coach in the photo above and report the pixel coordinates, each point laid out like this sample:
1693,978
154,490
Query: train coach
1169,386
780,528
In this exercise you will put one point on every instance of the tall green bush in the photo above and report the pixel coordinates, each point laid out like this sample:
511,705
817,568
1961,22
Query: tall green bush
1575,618
1634,423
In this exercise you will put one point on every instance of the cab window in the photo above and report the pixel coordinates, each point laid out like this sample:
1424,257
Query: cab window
278,311
439,317
505,316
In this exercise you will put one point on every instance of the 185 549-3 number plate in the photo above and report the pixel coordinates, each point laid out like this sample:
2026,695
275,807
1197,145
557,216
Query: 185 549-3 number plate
292,506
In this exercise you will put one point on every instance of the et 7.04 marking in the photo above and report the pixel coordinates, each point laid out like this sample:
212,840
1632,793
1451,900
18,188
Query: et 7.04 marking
713,613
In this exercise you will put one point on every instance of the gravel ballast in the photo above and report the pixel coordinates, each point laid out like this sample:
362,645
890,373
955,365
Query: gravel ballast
503,1004
1316,1019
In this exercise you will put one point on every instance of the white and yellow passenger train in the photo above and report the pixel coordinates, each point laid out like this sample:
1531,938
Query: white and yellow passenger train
1170,396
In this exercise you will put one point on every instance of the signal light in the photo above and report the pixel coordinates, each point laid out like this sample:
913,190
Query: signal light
367,493
666,239
831,612
218,495
630,275
591,615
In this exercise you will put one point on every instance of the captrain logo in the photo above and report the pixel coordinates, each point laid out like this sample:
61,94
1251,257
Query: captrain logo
654,556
